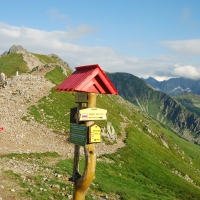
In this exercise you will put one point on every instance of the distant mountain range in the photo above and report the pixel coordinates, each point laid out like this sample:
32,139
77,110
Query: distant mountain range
175,86
158,104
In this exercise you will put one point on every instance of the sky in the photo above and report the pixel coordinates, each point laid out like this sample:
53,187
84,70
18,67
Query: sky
146,38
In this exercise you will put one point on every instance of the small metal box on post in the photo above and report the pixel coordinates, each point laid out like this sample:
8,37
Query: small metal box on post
87,81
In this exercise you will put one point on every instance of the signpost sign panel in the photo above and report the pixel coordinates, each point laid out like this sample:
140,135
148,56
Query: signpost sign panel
95,134
78,134
92,114
73,115
81,97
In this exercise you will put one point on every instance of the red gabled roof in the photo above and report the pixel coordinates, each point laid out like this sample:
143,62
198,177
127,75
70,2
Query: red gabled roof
89,78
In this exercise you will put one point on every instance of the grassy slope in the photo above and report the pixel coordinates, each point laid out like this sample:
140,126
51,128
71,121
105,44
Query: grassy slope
11,63
44,58
141,170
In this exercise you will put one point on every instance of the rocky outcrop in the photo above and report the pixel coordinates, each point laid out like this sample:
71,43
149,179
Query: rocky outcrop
185,123
31,60
13,48
59,60
36,64
109,132
4,53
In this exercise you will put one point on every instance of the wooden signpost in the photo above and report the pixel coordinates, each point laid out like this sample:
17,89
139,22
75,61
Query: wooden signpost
87,81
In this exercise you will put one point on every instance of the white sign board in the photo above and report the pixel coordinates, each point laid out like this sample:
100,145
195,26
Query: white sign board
91,114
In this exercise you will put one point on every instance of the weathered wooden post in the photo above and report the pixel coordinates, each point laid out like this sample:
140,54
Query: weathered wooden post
87,81
82,183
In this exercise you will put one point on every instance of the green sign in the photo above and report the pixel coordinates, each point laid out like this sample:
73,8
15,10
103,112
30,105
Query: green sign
78,134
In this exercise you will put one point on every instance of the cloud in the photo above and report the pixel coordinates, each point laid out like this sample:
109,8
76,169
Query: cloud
187,20
78,33
162,78
187,71
60,43
72,33
54,14
177,70
184,47
185,14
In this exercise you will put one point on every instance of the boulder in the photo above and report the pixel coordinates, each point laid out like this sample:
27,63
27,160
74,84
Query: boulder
15,48
12,49
5,53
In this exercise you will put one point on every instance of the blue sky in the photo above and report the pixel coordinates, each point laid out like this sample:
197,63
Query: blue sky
158,38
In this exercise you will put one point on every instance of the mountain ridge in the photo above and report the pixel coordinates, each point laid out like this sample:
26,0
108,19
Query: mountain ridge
175,86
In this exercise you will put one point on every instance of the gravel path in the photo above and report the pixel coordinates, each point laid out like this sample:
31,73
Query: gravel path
20,136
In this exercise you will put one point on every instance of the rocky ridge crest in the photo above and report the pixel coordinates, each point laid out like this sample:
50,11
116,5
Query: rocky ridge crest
13,48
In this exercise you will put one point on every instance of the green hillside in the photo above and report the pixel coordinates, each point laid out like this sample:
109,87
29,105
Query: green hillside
190,101
155,163
11,63
145,168
44,58
159,105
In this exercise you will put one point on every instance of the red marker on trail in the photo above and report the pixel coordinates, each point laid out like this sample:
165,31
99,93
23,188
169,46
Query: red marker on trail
1,128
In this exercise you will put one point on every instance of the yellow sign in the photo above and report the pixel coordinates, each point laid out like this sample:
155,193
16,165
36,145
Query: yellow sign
94,134
92,114
81,97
